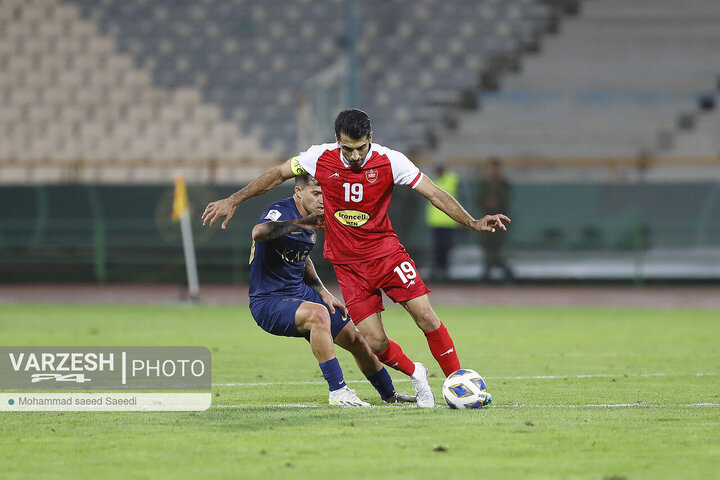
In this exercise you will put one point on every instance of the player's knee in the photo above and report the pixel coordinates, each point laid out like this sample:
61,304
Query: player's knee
426,319
317,318
378,344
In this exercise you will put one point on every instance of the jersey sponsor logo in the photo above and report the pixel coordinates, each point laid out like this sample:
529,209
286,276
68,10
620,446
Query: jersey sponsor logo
297,169
294,256
352,218
371,175
273,215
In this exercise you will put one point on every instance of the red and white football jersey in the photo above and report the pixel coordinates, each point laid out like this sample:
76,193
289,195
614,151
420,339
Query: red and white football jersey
357,226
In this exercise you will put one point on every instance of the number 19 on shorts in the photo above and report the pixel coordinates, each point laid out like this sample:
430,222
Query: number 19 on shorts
405,271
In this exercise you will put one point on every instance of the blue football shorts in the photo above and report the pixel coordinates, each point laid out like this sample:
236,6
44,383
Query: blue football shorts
276,315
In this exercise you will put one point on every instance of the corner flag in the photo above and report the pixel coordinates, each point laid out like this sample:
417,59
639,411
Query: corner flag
181,211
180,200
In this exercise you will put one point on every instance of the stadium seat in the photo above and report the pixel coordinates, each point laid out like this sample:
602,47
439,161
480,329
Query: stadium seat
242,66
610,86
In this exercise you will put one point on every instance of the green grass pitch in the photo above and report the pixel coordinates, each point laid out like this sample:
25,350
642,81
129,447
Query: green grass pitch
578,394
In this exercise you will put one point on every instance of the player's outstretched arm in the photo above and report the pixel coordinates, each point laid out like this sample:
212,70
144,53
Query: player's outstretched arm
272,230
313,281
264,183
447,204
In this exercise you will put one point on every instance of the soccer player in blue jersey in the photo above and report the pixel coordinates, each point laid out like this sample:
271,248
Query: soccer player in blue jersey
288,299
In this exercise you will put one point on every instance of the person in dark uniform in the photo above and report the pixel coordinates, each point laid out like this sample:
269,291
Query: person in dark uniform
495,193
288,299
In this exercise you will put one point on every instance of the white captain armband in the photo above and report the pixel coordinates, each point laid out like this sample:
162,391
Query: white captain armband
297,169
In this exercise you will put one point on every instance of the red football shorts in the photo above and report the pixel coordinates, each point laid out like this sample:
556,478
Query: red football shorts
361,283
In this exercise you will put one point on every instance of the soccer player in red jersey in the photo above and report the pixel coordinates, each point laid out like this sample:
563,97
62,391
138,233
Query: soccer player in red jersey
357,178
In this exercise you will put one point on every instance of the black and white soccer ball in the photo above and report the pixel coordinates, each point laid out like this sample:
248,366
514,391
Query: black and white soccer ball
465,388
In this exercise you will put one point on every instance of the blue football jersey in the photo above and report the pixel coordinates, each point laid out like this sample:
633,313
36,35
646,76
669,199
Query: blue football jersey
277,266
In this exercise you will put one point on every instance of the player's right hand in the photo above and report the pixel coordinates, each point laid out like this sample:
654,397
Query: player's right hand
218,209
314,221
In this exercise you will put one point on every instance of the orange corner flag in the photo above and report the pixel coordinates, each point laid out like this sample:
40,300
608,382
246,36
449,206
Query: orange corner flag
180,201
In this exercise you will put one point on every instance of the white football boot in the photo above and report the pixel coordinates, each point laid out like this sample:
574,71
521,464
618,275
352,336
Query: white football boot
425,397
346,397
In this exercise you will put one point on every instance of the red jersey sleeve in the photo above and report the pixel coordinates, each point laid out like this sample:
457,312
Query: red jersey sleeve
405,172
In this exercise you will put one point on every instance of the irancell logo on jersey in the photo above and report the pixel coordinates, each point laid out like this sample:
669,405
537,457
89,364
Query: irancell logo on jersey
352,218
63,369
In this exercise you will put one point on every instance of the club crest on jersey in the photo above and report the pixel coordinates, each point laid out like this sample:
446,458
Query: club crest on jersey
371,175
313,237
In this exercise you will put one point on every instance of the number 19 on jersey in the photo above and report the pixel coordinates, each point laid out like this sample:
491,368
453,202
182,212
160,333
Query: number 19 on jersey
353,192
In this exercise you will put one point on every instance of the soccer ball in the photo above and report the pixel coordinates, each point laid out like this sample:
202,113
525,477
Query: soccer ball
465,389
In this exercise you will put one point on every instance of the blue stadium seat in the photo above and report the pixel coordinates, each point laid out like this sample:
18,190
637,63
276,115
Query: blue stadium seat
243,53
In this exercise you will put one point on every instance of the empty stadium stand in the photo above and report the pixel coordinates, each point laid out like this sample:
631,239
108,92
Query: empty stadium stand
615,84
143,88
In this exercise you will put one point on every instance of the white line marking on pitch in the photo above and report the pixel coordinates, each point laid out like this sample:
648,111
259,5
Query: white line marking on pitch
535,377
613,405
589,405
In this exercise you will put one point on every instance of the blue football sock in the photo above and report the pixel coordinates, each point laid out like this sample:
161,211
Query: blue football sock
333,374
382,383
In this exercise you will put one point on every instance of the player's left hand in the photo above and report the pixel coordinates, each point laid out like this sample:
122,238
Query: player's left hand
218,209
489,223
333,302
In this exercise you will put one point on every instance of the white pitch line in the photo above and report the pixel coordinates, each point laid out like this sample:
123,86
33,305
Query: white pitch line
535,377
589,405
613,405
264,384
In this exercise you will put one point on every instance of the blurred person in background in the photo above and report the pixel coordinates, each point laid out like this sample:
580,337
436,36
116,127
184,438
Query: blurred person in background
443,227
494,196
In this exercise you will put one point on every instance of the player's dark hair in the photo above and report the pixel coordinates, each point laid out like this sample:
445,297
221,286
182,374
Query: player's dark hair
354,123
304,180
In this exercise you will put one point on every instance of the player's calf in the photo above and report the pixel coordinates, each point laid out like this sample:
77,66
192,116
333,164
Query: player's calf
351,340
443,349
